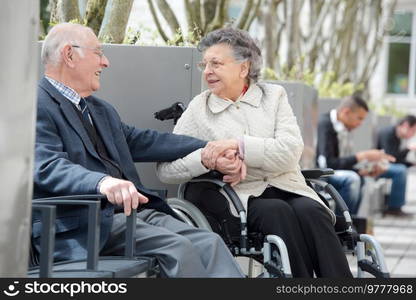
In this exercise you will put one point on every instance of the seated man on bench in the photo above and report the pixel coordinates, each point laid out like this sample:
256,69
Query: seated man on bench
82,147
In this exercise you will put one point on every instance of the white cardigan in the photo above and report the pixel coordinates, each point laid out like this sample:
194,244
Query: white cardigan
265,121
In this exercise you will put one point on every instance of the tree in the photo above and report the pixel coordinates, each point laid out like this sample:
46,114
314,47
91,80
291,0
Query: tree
319,36
107,18
202,17
115,20
64,10
94,14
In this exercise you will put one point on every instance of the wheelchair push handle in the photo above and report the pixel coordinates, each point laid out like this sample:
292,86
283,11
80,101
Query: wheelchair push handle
174,112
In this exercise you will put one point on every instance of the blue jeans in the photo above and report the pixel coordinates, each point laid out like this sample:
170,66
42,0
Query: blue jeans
348,185
398,174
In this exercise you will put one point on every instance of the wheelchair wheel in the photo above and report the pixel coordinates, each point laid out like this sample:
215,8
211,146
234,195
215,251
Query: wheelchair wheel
189,213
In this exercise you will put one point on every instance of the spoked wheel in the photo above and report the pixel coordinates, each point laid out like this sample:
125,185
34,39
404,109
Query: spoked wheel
189,213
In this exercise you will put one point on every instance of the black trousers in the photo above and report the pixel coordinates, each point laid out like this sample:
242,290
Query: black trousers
302,223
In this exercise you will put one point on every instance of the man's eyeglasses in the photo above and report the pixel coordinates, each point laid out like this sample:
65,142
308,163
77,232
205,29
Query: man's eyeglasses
213,65
97,51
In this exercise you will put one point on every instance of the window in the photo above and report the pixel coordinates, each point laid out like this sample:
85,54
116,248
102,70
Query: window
398,69
400,58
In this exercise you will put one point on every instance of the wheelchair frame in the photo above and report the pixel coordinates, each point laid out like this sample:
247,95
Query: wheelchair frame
369,253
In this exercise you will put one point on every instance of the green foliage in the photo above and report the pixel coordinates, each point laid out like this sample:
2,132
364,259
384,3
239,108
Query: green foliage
77,21
177,39
44,15
325,83
387,107
132,36
144,36
41,37
107,39
190,39
328,87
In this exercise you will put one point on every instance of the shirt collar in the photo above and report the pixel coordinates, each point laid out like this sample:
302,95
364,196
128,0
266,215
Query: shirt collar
338,125
66,91
252,97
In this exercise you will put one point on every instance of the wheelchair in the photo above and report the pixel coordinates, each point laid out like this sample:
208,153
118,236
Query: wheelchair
270,250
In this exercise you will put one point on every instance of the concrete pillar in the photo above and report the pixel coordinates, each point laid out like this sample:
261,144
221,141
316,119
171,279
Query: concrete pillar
19,21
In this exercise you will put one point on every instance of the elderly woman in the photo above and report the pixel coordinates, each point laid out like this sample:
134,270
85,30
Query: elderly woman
258,119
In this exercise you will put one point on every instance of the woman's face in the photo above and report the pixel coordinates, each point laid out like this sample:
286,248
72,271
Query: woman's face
224,75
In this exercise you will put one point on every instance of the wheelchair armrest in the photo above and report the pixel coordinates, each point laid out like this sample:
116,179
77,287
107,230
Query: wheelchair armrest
210,175
215,177
339,201
47,240
316,173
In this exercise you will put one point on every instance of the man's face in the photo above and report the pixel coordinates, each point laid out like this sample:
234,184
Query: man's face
89,66
406,131
353,117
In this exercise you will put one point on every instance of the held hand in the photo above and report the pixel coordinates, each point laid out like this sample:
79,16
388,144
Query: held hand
374,155
234,179
229,163
364,172
122,193
232,166
378,169
215,149
411,147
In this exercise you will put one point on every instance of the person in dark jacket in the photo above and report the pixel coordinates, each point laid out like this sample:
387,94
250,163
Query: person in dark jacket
393,140
334,150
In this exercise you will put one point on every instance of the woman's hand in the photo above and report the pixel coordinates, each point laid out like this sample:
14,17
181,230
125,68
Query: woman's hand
238,177
232,166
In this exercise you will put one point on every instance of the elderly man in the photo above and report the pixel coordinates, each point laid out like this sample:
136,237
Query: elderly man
82,147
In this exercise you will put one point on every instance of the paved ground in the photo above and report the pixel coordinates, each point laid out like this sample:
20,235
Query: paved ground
398,236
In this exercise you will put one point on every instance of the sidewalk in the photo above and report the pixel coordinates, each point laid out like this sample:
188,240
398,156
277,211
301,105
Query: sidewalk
398,236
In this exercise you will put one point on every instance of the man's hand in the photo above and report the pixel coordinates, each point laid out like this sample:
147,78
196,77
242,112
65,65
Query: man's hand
213,150
122,193
378,170
375,171
374,155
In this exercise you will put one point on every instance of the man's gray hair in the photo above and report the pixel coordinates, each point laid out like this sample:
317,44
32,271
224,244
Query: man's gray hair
58,37
244,47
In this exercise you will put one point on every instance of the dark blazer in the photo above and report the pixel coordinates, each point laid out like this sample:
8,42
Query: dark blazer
66,163
390,143
328,147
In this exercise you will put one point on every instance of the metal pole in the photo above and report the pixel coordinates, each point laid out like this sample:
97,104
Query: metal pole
19,21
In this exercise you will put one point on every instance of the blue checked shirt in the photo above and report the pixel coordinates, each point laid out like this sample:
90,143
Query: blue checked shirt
66,91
